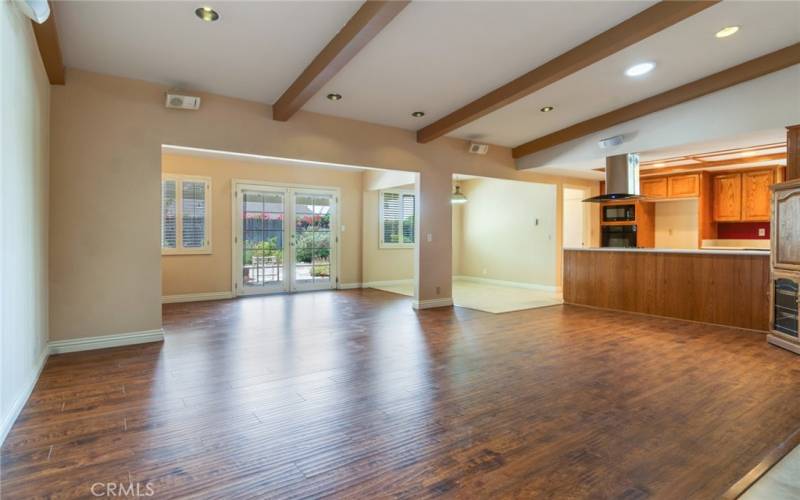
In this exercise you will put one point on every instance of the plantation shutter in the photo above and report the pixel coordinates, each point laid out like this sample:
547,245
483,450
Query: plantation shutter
392,215
194,214
169,211
397,222
408,218
185,214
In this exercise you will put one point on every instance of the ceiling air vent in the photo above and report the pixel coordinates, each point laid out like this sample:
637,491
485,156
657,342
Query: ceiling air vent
478,149
179,101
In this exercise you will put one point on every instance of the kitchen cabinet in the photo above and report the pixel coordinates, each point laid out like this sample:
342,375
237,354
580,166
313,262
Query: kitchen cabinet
786,226
653,188
785,261
728,197
673,186
743,196
684,186
756,195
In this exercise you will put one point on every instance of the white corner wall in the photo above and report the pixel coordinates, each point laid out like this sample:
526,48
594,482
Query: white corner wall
24,159
509,231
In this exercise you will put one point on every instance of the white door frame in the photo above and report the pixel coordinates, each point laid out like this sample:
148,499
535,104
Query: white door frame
289,190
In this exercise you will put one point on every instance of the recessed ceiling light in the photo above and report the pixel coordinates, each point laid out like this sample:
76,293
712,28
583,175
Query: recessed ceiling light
547,109
334,97
206,14
640,69
727,31
418,114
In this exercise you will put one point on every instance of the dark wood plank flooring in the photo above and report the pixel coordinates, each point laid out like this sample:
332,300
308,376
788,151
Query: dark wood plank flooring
352,394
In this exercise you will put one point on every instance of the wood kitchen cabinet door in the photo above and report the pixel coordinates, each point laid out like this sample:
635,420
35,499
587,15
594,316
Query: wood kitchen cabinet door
728,197
756,197
654,188
684,186
786,226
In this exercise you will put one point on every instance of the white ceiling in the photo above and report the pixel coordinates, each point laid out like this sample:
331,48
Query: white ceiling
437,56
683,53
255,51
433,57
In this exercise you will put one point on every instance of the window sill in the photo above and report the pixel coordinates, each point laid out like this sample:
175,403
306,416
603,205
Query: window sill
199,251
393,246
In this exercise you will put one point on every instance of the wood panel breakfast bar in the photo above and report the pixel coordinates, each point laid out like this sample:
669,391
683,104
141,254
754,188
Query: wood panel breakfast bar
724,287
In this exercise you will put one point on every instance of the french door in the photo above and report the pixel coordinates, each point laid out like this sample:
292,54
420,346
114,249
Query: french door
285,239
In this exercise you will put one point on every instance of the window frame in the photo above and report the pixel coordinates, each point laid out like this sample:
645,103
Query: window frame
400,192
179,249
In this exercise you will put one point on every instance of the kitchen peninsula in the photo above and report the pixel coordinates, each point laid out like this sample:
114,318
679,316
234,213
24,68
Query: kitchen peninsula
724,287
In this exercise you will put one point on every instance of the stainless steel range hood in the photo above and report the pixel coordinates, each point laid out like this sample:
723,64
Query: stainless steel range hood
622,178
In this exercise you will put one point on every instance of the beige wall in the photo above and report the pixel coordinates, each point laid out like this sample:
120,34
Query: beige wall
500,236
187,274
382,264
677,224
458,237
24,157
106,142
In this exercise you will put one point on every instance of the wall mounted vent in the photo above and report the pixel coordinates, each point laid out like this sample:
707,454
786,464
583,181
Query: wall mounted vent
178,101
478,149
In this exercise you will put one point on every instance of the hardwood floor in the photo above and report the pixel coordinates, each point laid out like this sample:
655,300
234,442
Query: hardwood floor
353,394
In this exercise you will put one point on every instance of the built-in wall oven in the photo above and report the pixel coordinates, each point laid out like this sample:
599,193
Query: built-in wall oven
622,236
619,213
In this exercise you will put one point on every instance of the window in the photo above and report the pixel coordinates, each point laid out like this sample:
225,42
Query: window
397,219
185,214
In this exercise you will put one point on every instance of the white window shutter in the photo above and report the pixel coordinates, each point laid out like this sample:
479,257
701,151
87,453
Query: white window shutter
169,214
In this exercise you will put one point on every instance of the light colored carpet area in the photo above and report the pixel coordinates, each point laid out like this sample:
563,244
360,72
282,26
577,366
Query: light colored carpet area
782,482
488,297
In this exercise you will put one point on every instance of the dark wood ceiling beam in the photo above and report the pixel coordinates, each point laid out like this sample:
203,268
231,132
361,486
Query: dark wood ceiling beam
635,29
49,48
367,22
754,68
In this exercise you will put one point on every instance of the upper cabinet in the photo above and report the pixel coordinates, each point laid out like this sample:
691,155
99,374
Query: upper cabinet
674,186
728,197
743,197
756,195
653,188
684,186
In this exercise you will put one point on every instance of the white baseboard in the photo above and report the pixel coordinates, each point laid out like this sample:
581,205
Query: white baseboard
431,303
121,339
348,286
515,284
19,403
376,284
789,346
195,297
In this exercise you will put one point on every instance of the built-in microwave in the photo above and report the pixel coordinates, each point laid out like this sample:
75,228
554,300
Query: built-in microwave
619,213
619,236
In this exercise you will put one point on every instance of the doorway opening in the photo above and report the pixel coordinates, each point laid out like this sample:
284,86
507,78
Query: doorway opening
576,217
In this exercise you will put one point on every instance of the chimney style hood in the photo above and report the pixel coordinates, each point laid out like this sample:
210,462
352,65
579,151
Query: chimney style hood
622,178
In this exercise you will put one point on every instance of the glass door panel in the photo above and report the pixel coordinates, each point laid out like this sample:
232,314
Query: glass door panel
313,243
262,242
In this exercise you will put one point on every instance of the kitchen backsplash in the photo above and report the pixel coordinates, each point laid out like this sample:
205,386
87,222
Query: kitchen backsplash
742,230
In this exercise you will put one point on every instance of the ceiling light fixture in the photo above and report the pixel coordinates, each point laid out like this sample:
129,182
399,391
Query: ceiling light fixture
418,114
334,97
727,31
547,109
206,14
457,198
640,69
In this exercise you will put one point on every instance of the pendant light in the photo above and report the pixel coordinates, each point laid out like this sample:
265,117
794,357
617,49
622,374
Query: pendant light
457,197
